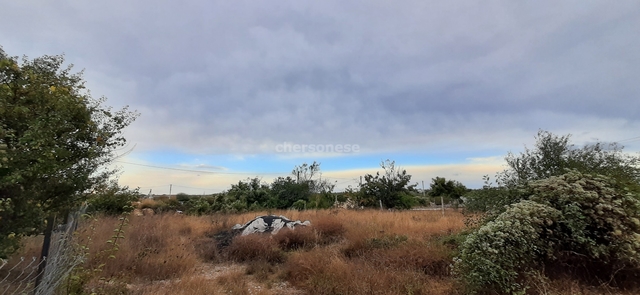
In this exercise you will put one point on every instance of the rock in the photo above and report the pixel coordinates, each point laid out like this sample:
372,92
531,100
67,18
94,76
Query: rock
260,224
137,212
268,223
148,212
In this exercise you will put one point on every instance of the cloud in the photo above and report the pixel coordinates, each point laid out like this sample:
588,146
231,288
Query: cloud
240,77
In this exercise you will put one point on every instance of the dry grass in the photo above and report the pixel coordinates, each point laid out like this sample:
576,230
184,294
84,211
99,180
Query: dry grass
254,248
343,252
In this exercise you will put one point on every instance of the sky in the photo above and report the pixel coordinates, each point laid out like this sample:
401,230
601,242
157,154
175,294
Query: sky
228,90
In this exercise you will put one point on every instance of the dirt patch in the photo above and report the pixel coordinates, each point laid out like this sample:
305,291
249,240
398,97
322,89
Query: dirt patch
216,279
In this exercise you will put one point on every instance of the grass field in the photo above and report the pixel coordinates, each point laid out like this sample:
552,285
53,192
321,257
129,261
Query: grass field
342,252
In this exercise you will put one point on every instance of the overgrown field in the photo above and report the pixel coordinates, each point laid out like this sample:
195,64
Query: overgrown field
342,252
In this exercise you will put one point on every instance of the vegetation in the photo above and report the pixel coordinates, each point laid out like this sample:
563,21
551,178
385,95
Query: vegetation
392,188
347,251
356,252
558,217
56,141
305,189
441,187
553,155
558,211
112,199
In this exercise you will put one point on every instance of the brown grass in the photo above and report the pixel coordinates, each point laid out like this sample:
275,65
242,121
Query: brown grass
342,252
300,238
255,248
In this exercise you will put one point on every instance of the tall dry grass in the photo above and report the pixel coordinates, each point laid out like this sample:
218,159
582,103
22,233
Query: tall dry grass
342,252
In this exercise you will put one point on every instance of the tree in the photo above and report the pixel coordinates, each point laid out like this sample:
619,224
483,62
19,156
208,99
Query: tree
252,192
112,199
449,188
286,191
56,143
553,155
306,182
392,188
311,175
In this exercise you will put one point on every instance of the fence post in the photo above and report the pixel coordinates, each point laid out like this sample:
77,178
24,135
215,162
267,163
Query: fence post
44,254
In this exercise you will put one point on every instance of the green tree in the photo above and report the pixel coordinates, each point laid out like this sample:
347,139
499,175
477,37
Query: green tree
112,199
252,192
285,191
306,183
450,188
553,155
56,143
311,175
392,188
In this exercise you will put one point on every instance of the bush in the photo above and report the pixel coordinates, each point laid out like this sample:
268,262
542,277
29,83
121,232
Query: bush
182,197
495,256
299,205
601,220
320,201
198,206
112,199
576,220
166,205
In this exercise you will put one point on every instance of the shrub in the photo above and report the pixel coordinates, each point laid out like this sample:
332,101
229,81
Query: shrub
495,256
576,220
198,206
601,220
112,199
299,205
166,205
182,197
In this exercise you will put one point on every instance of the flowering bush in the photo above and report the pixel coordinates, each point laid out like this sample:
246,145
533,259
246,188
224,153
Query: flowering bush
577,219
498,255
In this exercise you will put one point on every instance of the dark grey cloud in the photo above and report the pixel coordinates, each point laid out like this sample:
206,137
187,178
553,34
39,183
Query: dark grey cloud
240,76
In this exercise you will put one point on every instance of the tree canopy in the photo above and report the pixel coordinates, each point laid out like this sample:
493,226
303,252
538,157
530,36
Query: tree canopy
553,155
56,141
440,186
392,188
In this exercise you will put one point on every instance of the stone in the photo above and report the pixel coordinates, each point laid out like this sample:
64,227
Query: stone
268,223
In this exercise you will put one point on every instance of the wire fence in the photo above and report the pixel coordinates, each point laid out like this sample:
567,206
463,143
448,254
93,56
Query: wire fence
43,276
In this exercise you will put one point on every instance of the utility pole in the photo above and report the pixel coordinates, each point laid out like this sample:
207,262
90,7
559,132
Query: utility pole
170,186
423,189
442,203
360,180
